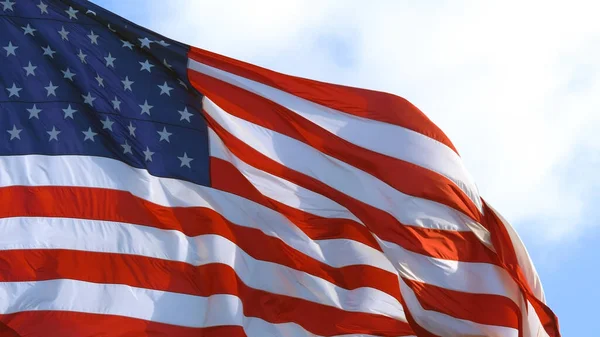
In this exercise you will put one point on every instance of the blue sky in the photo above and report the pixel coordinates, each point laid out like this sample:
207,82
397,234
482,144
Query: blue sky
514,85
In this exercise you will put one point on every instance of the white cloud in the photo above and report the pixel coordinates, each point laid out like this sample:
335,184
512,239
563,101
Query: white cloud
514,84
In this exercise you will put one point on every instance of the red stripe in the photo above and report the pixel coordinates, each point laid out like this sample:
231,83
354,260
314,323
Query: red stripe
76,324
480,308
226,177
6,331
451,245
206,280
369,104
406,177
120,206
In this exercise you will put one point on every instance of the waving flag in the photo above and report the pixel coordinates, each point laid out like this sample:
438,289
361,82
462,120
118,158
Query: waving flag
149,188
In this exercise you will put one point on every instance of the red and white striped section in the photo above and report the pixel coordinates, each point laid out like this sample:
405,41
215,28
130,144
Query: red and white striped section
148,245
370,170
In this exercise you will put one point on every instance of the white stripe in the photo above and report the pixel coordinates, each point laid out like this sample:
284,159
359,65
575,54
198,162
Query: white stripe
469,277
448,326
532,326
122,300
112,237
112,174
145,304
337,174
370,134
278,188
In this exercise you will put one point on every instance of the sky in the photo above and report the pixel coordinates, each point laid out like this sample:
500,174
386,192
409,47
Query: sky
514,84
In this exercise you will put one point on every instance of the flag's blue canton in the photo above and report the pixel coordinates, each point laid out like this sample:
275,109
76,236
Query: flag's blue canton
78,80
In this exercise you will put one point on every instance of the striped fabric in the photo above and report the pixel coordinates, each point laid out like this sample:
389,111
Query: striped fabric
386,182
309,209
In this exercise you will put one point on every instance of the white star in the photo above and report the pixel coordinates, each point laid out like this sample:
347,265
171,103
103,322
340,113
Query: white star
146,66
30,69
185,115
93,37
126,148
185,160
28,30
127,44
182,83
165,89
14,91
72,13
69,112
82,56
43,8
116,104
10,49
148,154
89,99
110,28
48,51
53,134
107,124
68,74
131,129
7,5
162,43
100,80
89,134
167,64
164,135
127,84
146,108
110,60
34,112
145,42
14,133
89,11
64,35
51,89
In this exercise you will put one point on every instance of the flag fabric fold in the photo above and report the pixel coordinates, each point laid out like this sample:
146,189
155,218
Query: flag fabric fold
151,188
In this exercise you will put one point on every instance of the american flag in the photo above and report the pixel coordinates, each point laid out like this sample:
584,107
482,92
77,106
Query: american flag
150,188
